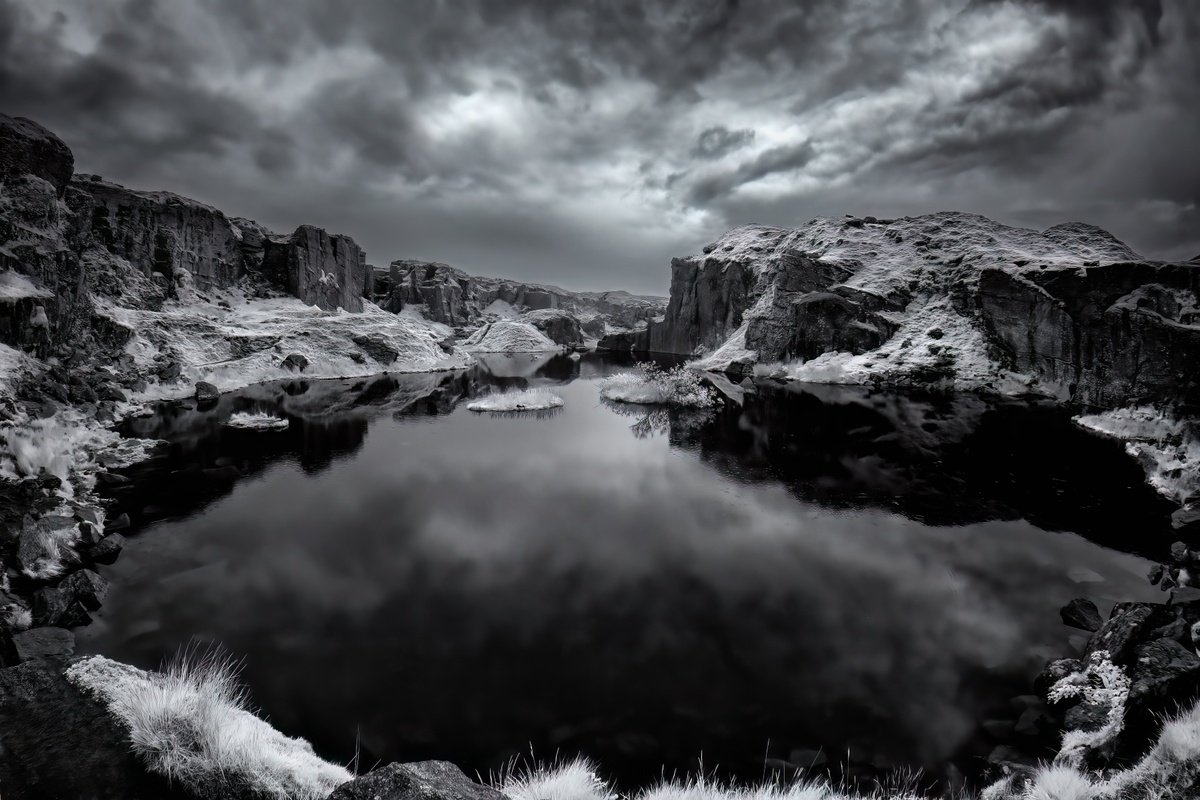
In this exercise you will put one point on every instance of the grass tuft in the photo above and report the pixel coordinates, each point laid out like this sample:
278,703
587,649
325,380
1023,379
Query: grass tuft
190,723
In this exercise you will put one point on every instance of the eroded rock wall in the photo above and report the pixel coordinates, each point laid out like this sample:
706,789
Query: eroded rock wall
1070,311
325,270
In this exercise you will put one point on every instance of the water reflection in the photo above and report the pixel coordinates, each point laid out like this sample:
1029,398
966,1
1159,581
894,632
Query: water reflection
756,581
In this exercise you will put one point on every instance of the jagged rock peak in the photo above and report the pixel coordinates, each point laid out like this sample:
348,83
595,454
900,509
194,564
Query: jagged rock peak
26,148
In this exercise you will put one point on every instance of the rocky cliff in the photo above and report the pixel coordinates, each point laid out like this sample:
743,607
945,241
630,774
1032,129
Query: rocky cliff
323,270
161,233
945,299
78,236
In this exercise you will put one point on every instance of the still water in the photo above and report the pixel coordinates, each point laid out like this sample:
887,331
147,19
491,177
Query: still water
818,570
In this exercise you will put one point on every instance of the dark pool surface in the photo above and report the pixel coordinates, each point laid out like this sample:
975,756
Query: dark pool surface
822,569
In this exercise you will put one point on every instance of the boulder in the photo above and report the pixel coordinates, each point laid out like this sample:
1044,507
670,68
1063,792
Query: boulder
377,348
1163,671
1128,626
295,362
58,607
1081,613
207,392
57,742
421,780
48,644
86,587
107,549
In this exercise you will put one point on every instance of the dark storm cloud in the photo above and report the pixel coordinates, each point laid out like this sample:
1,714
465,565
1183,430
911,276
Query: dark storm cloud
586,142
719,141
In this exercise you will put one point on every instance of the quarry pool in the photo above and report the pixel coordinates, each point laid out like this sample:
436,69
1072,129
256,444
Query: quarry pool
817,574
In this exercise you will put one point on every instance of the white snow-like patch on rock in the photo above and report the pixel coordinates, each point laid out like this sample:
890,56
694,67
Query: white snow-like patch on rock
15,286
14,365
508,336
259,421
934,344
246,343
734,349
501,308
67,445
1168,448
190,724
518,400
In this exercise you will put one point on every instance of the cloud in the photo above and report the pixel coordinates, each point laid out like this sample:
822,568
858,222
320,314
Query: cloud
657,124
719,141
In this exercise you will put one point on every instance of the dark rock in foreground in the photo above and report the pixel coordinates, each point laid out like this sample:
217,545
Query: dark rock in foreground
57,743
420,780
1081,613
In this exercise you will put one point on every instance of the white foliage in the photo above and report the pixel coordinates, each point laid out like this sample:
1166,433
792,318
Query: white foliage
258,420
1102,683
517,400
190,724
649,384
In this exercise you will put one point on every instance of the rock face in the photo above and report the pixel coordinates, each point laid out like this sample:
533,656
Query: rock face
163,233
55,742
448,294
324,270
1070,312
27,148
420,780
560,327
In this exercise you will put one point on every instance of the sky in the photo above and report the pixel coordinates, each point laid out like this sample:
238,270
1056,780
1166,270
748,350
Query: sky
586,143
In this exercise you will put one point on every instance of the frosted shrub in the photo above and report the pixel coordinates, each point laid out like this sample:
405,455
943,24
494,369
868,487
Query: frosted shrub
650,384
1100,683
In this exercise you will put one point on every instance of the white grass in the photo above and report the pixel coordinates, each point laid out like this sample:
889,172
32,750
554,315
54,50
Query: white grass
43,551
578,780
571,780
257,420
16,618
649,384
537,399
190,724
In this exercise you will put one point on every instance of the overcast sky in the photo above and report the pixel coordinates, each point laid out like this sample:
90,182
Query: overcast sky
584,143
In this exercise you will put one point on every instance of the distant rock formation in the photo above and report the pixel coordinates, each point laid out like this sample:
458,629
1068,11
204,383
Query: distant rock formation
947,299
449,295
446,293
